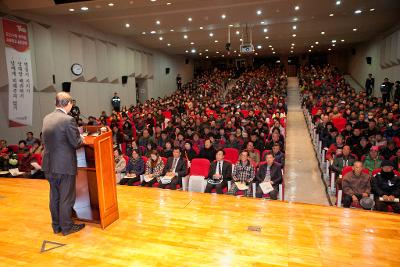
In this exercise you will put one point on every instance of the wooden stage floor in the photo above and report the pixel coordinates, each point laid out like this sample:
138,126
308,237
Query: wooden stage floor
173,228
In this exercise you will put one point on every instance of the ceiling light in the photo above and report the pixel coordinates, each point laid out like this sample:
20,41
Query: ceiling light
143,33
186,51
296,8
206,56
294,35
272,49
262,22
168,3
230,25
216,41
153,0
309,50
259,12
193,50
161,38
217,52
338,2
331,15
329,49
237,32
206,50
259,47
292,47
293,44
355,29
84,8
171,30
333,41
169,44
71,10
316,43
273,52
270,46
333,44
295,19
127,25
190,19
158,22
266,37
342,40
185,36
265,30
358,11
241,39
153,32
201,28
322,33
291,51
312,46
223,16
192,43
294,27
223,55
131,2
211,34
372,9
110,4
200,54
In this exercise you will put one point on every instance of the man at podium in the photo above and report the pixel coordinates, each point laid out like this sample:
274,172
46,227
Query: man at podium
61,138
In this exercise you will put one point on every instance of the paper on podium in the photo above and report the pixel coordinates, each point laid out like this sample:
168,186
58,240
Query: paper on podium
241,186
266,187
81,157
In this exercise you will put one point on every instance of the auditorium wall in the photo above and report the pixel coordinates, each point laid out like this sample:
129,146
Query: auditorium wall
385,53
57,43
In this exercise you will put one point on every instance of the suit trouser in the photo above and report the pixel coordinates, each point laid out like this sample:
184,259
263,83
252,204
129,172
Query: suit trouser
348,199
218,187
172,185
383,206
273,194
129,181
150,183
62,200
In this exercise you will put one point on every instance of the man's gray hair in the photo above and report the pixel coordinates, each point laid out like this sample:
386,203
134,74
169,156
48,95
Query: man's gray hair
62,99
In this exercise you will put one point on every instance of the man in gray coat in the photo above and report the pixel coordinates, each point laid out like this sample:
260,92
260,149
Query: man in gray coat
61,138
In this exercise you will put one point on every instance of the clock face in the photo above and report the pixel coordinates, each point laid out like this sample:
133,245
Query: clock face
76,69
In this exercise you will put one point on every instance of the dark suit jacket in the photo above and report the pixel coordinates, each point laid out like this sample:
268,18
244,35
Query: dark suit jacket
61,139
226,170
276,173
181,167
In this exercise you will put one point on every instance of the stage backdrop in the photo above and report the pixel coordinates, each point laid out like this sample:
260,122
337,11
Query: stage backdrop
19,69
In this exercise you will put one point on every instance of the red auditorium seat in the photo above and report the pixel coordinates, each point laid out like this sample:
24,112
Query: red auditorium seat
199,167
14,148
231,154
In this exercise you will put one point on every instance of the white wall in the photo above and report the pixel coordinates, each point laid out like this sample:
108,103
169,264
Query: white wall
385,53
57,43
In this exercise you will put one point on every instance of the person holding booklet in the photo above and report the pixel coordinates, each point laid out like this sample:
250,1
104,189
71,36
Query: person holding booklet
219,174
268,177
243,175
173,172
154,169
134,169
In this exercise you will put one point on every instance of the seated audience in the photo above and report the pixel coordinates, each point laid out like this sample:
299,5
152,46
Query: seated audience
154,169
342,160
253,154
29,139
176,168
386,188
219,174
372,161
4,155
243,173
355,185
208,152
134,169
278,155
120,164
269,172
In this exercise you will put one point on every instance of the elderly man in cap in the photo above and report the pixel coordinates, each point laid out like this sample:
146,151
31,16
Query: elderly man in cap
356,185
386,188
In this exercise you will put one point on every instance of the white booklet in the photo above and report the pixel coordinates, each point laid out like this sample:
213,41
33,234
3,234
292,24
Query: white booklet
15,172
148,178
36,166
241,186
266,187
81,157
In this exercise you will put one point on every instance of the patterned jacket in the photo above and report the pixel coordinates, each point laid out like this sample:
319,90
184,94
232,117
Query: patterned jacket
243,173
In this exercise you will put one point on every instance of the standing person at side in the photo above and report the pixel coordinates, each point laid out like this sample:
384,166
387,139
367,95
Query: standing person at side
179,82
61,139
369,85
386,89
116,102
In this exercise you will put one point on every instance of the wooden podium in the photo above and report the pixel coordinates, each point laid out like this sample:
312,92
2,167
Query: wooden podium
96,194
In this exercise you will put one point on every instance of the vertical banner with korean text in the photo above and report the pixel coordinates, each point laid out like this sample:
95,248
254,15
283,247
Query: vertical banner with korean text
19,68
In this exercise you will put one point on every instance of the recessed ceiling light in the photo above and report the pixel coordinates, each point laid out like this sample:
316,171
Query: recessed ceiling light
309,50
201,28
291,51
333,44
331,15
161,38
293,44
71,10
333,41
223,55
234,51
171,30
192,43
169,44
338,2
153,32
110,4
206,50
342,40
262,22
143,33
294,27
292,47
211,34
237,32
259,12
169,3
329,49
322,33
158,22
273,52
84,8
216,41
193,50
127,25
153,0
272,49
312,46
259,47
131,2
230,25
316,42
296,8
185,36
270,46
265,30
355,29
190,19
358,11
200,54
187,51
266,37
223,16
241,39
372,9
256,54
294,35
206,56
217,52
295,19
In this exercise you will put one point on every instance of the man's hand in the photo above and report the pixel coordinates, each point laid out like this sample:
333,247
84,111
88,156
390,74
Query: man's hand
385,198
355,199
391,198
217,176
365,194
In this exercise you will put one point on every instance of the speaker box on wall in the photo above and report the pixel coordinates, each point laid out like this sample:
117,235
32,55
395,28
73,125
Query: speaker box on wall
167,70
369,60
353,51
187,61
124,79
66,87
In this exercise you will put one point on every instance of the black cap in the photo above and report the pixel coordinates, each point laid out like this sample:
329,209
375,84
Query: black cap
387,163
